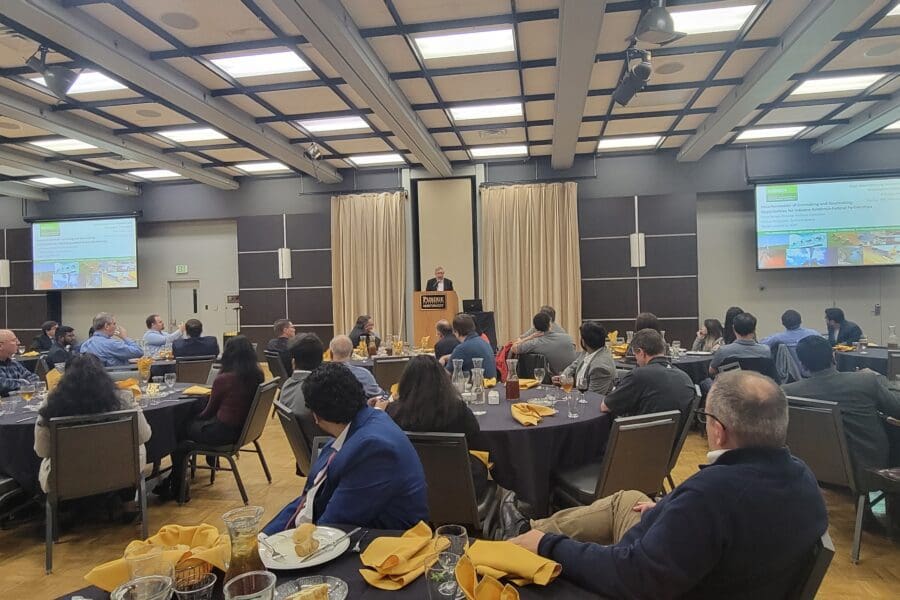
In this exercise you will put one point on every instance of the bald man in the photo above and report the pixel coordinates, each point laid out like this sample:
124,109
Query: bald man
446,341
11,372
341,350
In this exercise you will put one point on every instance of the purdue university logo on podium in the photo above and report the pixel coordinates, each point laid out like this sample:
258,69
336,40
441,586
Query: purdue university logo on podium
435,302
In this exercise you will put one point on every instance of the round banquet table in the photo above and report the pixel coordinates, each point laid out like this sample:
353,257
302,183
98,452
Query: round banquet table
872,358
165,417
347,567
158,368
696,366
525,458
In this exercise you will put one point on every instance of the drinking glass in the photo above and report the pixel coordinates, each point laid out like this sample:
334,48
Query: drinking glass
157,381
440,576
20,349
539,374
619,341
477,363
629,335
567,381
581,398
40,390
196,588
11,405
26,389
152,587
253,585
146,561
662,332
573,406
456,535
169,378
676,348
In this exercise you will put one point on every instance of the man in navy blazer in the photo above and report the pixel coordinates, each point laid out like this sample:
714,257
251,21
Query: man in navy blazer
195,344
369,475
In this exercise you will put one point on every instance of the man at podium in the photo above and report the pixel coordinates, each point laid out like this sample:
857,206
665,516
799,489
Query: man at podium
439,283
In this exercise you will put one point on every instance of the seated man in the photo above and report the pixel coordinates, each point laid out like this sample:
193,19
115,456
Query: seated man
61,350
594,369
42,342
558,349
195,344
471,346
156,338
341,351
654,385
744,345
792,333
738,529
284,331
446,340
369,476
840,330
12,372
554,326
110,343
306,354
861,396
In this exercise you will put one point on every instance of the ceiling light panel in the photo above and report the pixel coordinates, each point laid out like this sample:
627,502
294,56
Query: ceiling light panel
334,124
768,133
498,151
51,181
711,20
89,82
895,126
895,12
466,44
366,160
154,174
486,111
262,167
196,134
63,145
629,143
828,85
261,64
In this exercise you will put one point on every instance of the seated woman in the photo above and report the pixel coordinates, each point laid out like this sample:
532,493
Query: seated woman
369,475
594,370
221,421
85,389
364,328
709,338
645,320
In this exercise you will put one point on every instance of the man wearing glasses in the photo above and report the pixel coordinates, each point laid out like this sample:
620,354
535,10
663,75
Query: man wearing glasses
11,371
110,342
740,528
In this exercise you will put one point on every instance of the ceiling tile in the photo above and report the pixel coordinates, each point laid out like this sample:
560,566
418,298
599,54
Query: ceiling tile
740,62
310,100
215,21
428,11
417,91
394,53
540,81
434,118
127,27
370,144
366,13
712,96
236,155
541,132
148,115
775,20
14,129
511,135
694,67
605,75
477,86
616,27
636,126
872,52
248,105
796,114
538,39
535,111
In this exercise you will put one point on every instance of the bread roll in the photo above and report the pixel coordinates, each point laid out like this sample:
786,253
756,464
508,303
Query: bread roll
304,542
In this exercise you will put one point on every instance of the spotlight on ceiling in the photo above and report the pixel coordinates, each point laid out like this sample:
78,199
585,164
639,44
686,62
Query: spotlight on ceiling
313,151
58,79
636,76
656,26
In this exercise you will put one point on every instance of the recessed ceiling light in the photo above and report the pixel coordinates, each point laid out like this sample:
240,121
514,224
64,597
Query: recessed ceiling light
768,133
51,181
262,167
466,44
669,68
628,143
63,145
179,20
154,173
148,112
486,111
365,160
826,85
895,126
496,151
882,50
261,64
711,20
197,134
333,124
88,82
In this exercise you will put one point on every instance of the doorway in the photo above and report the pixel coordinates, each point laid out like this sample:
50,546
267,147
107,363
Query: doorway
184,301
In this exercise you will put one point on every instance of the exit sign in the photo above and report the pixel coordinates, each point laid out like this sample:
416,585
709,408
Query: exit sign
181,269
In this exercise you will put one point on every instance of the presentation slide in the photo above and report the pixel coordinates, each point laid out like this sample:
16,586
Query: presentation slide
85,255
828,224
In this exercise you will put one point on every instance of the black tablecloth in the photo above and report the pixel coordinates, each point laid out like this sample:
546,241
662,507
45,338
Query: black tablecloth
697,367
525,458
18,460
874,358
158,368
347,567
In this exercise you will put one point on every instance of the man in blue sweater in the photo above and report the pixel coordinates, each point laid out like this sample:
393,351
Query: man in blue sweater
740,528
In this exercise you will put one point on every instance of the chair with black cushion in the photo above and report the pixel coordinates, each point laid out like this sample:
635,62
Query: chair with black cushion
317,444
729,366
276,366
250,434
302,452
451,489
529,362
41,367
81,444
637,457
682,435
812,570
194,369
213,373
388,370
760,364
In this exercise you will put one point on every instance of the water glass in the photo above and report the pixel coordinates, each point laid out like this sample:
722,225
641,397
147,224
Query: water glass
254,585
456,535
539,374
581,398
26,389
40,390
477,363
662,332
146,561
152,587
619,341
629,335
157,388
440,576
676,349
169,378
11,405
196,588
572,403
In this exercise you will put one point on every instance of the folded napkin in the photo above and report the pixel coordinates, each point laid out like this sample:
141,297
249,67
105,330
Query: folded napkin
326,356
527,384
490,382
611,336
31,353
129,384
182,546
53,377
844,348
486,589
505,559
197,390
482,456
394,562
530,414
620,348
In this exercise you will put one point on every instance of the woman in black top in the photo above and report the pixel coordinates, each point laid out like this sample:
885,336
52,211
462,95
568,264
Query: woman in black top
728,334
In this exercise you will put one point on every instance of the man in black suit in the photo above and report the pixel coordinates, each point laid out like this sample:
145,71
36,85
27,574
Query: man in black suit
439,283
195,344
446,340
42,342
840,330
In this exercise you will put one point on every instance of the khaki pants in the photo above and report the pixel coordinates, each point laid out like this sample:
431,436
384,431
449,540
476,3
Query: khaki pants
604,522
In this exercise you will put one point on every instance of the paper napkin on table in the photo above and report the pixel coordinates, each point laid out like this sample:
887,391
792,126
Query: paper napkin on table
394,562
530,414
197,390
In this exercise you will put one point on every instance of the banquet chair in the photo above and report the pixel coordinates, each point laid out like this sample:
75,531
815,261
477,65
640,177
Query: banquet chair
637,457
77,446
387,371
213,373
682,436
194,369
317,444
812,570
276,366
250,434
729,366
41,368
760,364
528,362
293,433
893,368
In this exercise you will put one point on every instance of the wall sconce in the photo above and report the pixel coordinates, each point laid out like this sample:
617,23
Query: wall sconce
638,251
284,263
4,273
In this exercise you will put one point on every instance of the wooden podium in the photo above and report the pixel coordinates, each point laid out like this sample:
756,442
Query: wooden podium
428,309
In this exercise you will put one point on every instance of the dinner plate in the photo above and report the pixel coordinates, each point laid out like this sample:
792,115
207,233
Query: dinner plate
698,353
337,588
283,542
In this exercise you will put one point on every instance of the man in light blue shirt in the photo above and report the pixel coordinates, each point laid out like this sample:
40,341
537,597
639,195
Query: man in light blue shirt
792,333
341,350
110,343
156,338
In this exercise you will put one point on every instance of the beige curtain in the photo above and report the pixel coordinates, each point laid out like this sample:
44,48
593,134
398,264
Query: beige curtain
530,257
368,260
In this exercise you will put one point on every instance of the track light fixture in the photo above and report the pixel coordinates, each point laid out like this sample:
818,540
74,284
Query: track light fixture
656,26
313,151
636,76
58,79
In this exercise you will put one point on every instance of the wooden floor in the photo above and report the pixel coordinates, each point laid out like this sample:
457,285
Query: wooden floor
85,544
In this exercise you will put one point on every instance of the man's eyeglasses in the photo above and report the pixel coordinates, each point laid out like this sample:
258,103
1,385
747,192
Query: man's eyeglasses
703,416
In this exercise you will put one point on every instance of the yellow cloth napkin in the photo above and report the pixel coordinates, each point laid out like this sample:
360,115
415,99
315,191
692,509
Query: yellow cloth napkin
326,356
394,562
180,544
486,589
527,384
482,456
611,336
530,414
197,390
53,377
31,353
844,348
394,388
490,382
130,384
504,559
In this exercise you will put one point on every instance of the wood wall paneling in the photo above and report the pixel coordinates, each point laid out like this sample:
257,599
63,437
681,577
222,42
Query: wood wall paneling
310,306
18,244
669,297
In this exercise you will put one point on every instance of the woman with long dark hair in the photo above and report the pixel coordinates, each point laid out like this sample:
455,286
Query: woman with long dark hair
728,335
85,389
709,337
364,328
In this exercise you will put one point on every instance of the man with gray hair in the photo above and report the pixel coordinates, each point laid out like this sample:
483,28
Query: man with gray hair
110,342
341,350
740,528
